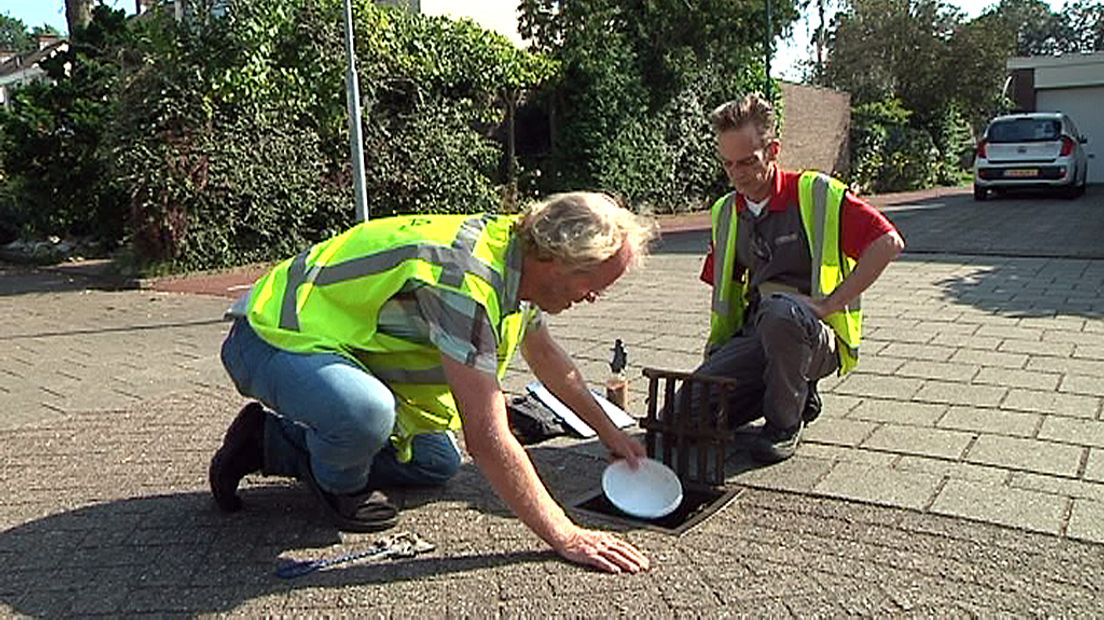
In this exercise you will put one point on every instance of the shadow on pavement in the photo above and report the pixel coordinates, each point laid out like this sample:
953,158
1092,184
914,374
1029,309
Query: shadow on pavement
1023,287
177,553
22,280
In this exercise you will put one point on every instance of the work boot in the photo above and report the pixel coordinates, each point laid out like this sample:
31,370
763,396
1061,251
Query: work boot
812,405
242,453
367,510
776,444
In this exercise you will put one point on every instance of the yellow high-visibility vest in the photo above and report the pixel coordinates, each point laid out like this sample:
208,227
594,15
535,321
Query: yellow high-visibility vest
328,298
820,198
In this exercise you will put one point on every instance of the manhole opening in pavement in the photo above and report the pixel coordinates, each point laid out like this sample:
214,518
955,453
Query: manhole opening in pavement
698,504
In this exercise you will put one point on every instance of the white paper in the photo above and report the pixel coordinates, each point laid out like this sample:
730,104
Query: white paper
570,418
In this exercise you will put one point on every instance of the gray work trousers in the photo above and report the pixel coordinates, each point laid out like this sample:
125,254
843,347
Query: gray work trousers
782,347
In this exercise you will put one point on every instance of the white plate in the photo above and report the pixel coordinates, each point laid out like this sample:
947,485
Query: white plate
649,492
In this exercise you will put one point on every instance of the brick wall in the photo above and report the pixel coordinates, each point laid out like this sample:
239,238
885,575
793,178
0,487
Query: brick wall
815,127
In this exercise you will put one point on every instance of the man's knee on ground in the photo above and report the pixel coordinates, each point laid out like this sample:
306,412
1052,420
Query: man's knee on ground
436,457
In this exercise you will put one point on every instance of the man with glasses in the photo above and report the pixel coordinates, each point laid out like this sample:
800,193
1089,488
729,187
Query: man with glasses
791,253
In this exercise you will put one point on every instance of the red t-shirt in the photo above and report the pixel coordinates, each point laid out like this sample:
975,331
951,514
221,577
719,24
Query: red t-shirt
862,221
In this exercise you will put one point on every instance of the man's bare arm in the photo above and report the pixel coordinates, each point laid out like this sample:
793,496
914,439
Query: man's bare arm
506,465
559,374
870,265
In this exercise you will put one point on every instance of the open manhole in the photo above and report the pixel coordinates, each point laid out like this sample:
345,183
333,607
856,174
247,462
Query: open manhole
698,504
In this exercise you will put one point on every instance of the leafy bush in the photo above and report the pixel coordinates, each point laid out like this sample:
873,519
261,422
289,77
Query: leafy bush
229,134
55,181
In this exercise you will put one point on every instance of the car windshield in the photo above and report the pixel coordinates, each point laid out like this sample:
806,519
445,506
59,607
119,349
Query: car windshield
1025,130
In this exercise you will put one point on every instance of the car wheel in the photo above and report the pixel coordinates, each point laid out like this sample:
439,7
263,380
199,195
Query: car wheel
980,193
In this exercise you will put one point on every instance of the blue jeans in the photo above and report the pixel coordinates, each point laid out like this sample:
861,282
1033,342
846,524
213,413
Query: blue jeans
334,412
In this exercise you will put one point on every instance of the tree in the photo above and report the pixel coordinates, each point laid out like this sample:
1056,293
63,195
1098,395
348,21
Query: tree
1086,21
14,35
77,15
637,82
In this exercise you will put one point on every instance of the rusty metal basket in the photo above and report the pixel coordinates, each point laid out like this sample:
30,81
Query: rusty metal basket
691,440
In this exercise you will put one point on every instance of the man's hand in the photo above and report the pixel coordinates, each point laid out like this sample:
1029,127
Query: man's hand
602,550
623,446
818,306
560,375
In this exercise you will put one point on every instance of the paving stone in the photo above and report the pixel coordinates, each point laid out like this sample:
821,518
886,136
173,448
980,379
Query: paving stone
1058,486
1073,431
845,432
960,394
918,441
1030,510
837,405
979,343
1076,338
952,469
1057,349
1026,455
991,421
1094,468
1086,521
935,353
948,328
1082,384
897,412
1017,333
1020,378
878,386
939,370
1066,366
879,364
879,485
848,455
1071,405
989,358
1089,351
1068,323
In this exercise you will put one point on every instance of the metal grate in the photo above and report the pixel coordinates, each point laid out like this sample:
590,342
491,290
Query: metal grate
692,440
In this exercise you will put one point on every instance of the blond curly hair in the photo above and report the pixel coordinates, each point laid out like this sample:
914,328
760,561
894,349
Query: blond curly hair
583,229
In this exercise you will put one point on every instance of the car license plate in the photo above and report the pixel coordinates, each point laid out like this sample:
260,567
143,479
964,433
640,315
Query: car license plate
1021,172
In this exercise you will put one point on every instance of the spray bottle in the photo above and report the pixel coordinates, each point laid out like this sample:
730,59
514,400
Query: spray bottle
617,386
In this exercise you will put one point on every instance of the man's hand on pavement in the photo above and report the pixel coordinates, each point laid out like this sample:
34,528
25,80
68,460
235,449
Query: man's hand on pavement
602,550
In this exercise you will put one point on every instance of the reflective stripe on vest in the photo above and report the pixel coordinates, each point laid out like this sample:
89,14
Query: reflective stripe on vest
728,295
456,261
820,198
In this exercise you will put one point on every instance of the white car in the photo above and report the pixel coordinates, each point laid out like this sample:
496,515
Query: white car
1034,150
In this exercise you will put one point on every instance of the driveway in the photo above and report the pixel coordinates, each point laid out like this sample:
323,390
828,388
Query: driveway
1022,224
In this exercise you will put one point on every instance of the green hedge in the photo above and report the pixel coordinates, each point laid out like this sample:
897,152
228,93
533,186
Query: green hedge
223,140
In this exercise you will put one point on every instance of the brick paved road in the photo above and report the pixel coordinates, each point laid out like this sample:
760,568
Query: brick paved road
959,471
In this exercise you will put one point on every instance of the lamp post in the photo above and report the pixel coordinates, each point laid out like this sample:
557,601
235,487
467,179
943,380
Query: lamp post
767,40
356,143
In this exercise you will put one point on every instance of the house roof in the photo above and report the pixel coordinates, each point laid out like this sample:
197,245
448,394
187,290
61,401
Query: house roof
19,63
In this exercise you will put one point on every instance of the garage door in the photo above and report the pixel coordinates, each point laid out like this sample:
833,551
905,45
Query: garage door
1083,105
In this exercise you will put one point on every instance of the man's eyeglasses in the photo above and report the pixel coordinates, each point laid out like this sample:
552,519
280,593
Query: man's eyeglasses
755,158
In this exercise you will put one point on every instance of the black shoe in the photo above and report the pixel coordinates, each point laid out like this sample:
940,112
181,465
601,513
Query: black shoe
242,453
364,511
776,444
812,405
